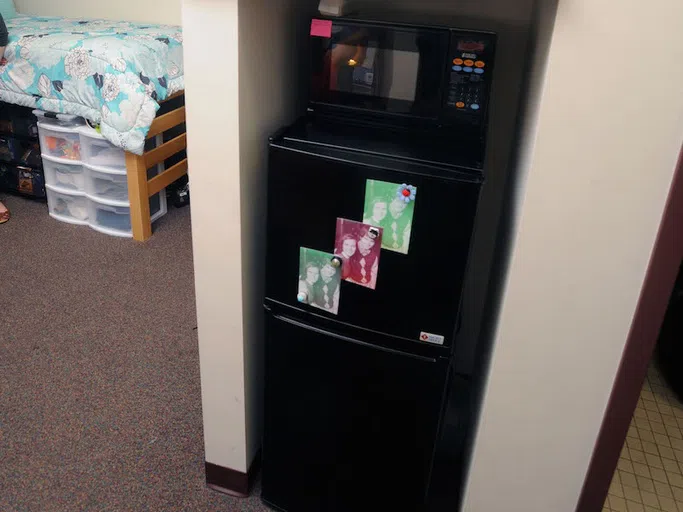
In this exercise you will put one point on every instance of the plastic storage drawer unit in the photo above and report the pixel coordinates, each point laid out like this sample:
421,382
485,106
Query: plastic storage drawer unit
63,175
113,217
71,208
59,141
98,151
105,184
59,134
110,219
63,120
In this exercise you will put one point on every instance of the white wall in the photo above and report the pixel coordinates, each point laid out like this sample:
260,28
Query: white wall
271,36
231,112
150,11
213,148
602,144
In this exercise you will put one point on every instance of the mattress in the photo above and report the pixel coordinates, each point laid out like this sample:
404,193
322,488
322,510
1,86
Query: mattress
112,73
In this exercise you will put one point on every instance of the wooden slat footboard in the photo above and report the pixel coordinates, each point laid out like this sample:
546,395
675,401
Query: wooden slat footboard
140,188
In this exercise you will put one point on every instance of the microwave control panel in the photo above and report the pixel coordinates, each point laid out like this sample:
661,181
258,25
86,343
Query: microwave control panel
470,65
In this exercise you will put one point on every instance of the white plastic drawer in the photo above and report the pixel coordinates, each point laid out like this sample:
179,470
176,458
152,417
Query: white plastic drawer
98,151
106,185
110,219
60,142
114,218
63,175
71,208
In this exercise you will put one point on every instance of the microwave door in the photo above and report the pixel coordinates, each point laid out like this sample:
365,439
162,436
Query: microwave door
359,78
382,69
366,75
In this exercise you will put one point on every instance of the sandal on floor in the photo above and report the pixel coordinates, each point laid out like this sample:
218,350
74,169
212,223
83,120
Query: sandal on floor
4,214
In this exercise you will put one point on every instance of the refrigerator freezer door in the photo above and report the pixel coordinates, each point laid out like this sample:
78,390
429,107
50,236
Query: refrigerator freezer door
348,426
417,295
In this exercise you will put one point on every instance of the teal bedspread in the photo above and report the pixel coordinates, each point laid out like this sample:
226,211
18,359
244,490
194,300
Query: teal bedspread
113,73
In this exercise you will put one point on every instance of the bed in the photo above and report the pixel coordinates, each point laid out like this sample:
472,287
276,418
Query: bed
115,74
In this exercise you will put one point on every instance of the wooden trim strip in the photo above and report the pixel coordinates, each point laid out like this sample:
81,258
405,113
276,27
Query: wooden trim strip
167,177
226,480
230,481
166,122
166,150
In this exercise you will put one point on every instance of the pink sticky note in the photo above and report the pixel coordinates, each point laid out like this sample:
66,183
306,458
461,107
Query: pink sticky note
321,28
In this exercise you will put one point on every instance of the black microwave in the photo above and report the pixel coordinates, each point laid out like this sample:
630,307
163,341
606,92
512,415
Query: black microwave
437,76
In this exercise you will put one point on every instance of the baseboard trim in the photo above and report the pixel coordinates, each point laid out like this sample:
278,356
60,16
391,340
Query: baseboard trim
232,482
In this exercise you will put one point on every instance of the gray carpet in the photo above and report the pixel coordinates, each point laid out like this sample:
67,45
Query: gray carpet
100,405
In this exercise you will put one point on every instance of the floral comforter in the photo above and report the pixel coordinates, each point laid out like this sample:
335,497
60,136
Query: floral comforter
113,73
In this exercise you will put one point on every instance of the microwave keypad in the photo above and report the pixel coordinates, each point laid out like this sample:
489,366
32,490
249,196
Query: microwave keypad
466,92
469,68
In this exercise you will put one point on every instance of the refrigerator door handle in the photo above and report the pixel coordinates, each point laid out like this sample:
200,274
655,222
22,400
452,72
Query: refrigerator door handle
352,340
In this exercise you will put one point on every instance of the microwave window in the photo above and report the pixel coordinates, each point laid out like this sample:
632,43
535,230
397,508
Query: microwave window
380,69
372,71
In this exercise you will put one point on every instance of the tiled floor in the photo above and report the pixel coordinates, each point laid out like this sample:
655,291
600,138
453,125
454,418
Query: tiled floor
649,476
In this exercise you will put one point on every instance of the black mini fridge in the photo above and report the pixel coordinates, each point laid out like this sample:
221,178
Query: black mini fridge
354,401
372,198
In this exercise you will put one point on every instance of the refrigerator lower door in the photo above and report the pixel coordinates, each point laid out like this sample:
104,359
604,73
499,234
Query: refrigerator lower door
349,426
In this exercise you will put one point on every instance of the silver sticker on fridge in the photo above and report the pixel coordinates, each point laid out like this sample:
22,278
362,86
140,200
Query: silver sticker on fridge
428,337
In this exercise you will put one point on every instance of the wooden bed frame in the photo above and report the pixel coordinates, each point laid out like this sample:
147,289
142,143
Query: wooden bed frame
141,188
